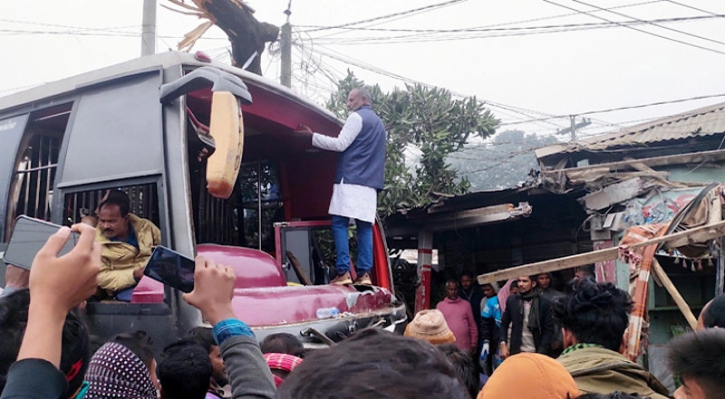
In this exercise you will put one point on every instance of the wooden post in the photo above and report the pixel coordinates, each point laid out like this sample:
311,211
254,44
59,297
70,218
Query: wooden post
672,290
425,260
698,234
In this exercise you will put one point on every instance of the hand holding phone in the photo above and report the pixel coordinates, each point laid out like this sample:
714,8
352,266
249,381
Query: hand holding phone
29,236
171,268
213,292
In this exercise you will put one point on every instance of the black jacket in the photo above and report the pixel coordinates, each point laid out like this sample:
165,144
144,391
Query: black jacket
513,317
474,298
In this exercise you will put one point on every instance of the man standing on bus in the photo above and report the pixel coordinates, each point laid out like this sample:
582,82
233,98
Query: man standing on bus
360,175
127,241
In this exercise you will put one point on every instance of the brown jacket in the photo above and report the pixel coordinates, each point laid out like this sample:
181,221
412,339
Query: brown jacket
119,259
599,370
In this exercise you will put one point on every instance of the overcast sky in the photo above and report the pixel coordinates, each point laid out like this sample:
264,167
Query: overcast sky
545,74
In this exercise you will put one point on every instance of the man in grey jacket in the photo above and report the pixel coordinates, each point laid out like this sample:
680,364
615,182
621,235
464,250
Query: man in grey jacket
213,291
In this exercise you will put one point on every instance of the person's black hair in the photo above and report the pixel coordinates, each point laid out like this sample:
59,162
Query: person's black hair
714,314
75,350
595,313
613,395
463,364
468,273
381,365
203,336
699,356
117,197
282,343
139,343
185,371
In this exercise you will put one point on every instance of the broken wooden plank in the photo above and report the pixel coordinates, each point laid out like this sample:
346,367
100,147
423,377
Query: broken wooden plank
698,157
672,290
616,193
706,232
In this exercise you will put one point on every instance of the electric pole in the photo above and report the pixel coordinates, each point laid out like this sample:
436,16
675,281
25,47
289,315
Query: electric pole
286,50
148,28
574,126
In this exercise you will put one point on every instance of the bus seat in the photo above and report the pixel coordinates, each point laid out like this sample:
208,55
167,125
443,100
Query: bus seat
252,267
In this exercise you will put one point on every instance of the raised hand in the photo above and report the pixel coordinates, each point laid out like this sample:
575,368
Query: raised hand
213,290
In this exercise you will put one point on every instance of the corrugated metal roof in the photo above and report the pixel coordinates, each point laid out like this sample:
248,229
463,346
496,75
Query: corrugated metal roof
700,122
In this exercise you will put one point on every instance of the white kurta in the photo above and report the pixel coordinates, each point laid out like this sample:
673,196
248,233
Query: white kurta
348,200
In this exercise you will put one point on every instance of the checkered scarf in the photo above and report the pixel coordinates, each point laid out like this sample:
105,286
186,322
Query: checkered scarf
283,362
115,372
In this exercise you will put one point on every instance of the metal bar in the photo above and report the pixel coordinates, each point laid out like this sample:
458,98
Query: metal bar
259,203
51,166
39,176
48,180
719,277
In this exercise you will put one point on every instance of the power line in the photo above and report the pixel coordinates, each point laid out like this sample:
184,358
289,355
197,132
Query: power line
638,30
690,7
388,16
651,23
480,33
607,110
496,29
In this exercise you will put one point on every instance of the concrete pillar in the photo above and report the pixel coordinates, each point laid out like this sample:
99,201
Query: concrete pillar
425,260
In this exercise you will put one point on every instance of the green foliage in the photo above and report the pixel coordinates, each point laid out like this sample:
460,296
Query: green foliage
503,163
425,120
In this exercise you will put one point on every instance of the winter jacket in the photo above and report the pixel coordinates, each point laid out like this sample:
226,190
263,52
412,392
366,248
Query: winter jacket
459,318
491,321
248,372
34,378
599,370
513,317
120,259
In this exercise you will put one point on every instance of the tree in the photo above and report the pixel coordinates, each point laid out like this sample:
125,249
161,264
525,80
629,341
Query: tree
429,120
503,163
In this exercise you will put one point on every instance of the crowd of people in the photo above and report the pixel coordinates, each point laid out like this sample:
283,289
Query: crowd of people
45,349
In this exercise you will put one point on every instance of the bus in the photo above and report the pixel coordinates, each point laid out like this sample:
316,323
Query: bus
206,152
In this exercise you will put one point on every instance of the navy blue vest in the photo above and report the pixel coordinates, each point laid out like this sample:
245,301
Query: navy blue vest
363,162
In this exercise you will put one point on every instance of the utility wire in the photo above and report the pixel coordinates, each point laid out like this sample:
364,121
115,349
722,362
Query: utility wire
480,33
638,30
388,16
690,7
607,110
574,25
651,23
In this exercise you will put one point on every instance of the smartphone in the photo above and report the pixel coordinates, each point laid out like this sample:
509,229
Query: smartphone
171,268
28,237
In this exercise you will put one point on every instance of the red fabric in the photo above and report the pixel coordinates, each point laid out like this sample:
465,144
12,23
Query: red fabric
459,317
282,361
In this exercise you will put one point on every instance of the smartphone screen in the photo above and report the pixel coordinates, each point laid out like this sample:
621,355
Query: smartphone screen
171,268
28,237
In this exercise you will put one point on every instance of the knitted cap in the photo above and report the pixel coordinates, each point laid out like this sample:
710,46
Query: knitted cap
430,325
116,372
283,362
530,376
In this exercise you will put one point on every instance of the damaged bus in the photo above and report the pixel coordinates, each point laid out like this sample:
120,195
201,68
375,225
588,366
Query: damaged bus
207,153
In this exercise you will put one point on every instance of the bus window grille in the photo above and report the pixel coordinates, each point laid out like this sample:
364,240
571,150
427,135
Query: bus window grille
35,174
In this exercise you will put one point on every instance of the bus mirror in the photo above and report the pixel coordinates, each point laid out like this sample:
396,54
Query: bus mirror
227,129
205,77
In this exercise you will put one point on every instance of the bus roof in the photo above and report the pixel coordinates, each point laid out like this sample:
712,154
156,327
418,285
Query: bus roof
162,60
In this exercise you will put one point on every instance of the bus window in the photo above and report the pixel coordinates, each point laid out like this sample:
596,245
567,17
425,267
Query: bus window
259,185
232,221
36,163
144,203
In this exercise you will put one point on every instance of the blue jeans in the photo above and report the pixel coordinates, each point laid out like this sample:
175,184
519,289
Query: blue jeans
342,246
